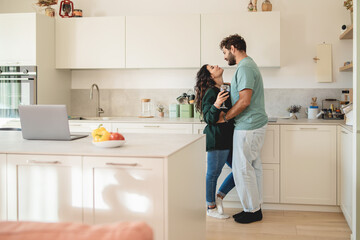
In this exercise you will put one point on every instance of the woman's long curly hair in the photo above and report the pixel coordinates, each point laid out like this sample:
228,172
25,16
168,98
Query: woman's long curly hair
204,81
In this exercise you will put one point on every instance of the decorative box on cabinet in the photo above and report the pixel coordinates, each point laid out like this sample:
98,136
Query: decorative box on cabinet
308,164
44,188
153,128
163,41
346,173
260,30
91,42
3,181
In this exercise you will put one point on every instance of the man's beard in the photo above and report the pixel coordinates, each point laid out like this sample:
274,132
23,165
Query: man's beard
231,59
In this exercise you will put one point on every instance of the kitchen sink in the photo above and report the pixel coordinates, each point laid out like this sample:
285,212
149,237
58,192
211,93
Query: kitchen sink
93,118
272,119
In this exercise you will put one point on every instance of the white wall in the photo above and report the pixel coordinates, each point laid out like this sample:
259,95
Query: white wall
304,24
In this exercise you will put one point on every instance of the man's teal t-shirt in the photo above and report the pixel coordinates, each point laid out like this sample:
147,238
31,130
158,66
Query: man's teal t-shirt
248,76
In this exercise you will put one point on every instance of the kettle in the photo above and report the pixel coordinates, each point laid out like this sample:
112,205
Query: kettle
313,112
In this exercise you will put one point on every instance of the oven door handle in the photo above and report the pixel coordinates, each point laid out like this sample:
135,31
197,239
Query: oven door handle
17,79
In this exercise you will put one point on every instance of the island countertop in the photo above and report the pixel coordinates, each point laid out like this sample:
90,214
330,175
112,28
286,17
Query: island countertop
137,145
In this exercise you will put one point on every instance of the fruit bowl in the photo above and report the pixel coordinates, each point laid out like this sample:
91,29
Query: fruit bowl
110,143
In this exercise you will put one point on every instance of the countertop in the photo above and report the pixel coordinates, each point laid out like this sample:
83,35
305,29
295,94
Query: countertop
137,145
279,121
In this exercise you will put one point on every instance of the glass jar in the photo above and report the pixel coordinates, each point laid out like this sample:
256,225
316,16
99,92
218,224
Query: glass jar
145,107
345,97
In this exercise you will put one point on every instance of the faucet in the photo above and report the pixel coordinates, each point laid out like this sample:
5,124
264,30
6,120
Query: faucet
99,110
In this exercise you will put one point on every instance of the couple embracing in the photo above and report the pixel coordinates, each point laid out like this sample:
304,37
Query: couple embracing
234,132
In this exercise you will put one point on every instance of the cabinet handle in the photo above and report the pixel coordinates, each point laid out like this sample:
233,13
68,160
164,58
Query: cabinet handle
43,162
122,164
308,128
344,132
75,125
153,126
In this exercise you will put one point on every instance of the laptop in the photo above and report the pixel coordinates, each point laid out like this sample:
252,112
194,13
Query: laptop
45,122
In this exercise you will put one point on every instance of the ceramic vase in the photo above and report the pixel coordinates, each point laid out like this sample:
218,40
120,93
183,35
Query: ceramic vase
293,116
50,12
266,6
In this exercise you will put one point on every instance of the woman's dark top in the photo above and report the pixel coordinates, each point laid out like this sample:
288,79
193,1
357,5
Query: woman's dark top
219,136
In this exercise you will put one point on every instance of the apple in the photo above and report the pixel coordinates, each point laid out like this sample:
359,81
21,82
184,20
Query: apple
116,136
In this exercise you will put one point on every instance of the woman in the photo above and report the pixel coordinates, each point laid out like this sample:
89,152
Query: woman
219,136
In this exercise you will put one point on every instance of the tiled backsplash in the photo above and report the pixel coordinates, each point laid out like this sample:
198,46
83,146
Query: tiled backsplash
127,102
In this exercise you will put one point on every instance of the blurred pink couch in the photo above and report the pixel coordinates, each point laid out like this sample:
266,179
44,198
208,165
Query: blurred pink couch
74,231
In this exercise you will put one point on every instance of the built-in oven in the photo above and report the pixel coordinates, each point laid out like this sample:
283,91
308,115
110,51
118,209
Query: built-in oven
17,87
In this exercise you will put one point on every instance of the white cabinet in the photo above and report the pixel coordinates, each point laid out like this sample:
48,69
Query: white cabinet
152,189
346,173
3,211
88,127
198,128
261,31
130,187
152,128
270,152
18,39
271,185
308,164
163,41
44,188
29,39
271,171
97,42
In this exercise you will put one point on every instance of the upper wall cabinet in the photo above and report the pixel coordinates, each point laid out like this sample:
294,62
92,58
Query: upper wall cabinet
18,39
163,41
97,42
261,31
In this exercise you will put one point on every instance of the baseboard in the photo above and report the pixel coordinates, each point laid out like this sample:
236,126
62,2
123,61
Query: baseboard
288,207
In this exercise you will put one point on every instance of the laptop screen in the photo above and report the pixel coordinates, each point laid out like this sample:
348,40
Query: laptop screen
44,122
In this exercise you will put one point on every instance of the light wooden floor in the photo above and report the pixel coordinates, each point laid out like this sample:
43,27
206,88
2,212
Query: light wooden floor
281,225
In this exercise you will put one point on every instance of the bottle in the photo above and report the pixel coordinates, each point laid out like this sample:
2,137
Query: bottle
145,107
345,97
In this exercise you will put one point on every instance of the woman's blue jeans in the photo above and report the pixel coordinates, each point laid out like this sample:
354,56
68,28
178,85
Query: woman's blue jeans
216,160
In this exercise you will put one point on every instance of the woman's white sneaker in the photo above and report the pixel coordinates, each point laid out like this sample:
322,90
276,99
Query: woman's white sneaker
219,205
215,214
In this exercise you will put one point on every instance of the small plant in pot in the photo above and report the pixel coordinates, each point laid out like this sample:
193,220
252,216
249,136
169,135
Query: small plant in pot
160,108
293,109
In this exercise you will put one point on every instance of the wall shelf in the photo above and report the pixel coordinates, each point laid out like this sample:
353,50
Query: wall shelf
347,68
348,34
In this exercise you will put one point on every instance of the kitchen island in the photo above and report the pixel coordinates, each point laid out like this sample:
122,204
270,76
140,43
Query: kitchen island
156,178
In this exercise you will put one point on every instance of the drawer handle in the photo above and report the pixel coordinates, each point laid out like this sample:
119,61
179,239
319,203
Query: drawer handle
122,164
344,132
308,128
153,126
75,125
43,162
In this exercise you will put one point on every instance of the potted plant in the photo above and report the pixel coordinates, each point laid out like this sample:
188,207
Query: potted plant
348,4
160,108
49,11
293,109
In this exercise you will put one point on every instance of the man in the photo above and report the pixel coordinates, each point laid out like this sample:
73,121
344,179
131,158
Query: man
247,97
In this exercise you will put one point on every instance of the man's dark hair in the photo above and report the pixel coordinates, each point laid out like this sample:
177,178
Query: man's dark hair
236,40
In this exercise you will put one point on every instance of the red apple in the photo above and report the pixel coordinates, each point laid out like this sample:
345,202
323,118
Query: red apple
116,136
